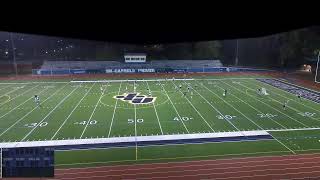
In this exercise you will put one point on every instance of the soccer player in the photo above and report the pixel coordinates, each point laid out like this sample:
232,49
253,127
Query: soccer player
225,93
285,105
37,100
180,86
188,88
259,91
184,93
299,96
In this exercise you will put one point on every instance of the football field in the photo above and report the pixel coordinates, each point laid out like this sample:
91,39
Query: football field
152,107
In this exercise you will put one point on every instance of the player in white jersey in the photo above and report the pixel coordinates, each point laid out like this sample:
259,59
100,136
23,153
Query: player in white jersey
285,105
37,100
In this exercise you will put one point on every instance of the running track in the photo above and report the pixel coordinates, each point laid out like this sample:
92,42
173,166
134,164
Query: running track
272,167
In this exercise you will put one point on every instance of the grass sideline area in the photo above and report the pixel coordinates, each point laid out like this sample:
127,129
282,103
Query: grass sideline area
92,110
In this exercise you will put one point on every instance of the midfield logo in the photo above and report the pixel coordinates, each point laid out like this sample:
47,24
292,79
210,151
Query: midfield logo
135,98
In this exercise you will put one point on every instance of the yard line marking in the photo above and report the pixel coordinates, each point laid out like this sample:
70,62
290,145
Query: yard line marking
195,108
5,87
17,107
114,110
283,144
248,103
31,111
17,96
215,109
15,88
71,112
49,114
155,110
290,98
175,108
233,107
93,112
135,122
274,108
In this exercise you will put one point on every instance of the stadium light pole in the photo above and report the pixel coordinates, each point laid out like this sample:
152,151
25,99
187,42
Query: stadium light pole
13,54
315,77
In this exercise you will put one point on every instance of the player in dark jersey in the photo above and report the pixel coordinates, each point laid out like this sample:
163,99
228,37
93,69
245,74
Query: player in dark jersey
299,96
225,93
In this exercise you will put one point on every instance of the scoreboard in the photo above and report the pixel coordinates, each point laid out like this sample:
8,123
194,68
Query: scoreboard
27,162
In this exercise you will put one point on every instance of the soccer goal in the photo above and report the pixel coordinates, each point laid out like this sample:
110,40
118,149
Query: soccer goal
317,74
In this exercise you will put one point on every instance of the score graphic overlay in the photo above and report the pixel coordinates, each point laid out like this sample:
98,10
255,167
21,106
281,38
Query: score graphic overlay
27,162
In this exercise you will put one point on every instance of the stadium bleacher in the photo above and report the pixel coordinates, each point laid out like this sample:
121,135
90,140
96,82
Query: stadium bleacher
117,64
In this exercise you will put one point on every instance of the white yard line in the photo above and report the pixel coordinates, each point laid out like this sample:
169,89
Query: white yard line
114,110
248,103
135,122
31,111
19,105
175,109
216,109
283,144
233,107
290,98
195,109
155,110
291,108
19,95
10,91
48,114
274,108
71,112
92,113
5,87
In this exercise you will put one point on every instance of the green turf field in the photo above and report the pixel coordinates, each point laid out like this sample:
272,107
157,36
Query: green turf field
90,110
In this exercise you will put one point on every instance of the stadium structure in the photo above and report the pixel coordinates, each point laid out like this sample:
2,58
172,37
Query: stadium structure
138,117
